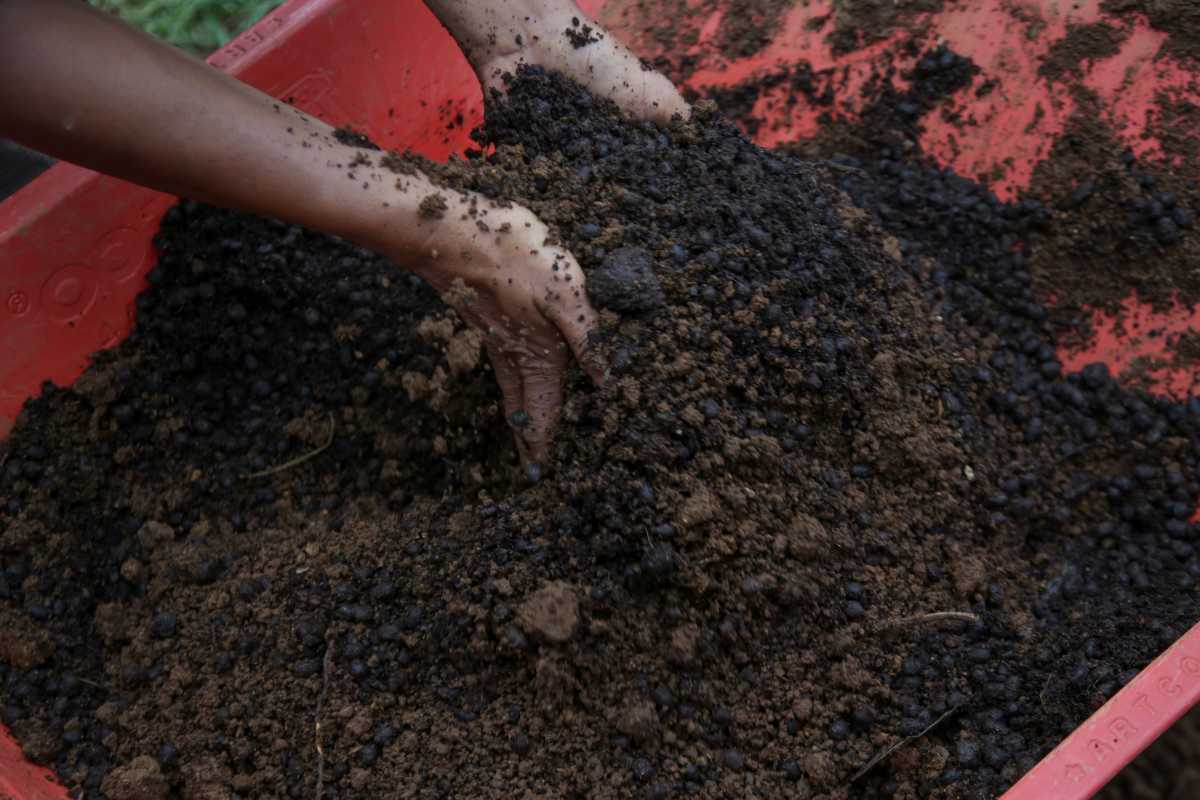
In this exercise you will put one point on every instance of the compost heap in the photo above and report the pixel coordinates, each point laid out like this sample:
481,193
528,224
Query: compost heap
837,525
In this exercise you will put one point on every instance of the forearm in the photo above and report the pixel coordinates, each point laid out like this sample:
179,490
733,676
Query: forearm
80,85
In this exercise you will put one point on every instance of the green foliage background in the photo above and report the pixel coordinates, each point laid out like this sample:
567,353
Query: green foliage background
198,26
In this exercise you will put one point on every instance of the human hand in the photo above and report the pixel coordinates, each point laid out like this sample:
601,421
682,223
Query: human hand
526,297
497,36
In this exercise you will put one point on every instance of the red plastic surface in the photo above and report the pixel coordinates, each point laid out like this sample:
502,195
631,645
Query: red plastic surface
74,246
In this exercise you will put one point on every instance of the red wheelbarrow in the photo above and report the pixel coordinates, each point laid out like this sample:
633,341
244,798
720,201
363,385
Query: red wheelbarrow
75,246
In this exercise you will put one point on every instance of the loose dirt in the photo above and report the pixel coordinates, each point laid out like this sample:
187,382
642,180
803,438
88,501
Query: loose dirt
844,419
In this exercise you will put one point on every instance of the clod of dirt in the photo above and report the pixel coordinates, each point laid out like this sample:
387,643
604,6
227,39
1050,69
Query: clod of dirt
625,282
433,206
551,613
23,645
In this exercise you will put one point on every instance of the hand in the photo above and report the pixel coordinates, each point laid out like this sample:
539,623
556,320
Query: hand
526,297
499,35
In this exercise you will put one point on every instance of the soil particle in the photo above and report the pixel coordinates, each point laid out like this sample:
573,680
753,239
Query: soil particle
433,206
638,720
625,282
580,34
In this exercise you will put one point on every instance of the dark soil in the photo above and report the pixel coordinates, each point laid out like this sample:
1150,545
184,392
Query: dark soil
1120,226
748,26
843,419
1109,208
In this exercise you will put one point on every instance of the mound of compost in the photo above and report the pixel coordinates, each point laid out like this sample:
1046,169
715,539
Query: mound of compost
837,524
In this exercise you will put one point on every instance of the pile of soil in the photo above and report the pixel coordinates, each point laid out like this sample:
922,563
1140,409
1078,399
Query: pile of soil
837,525
1180,19
1117,225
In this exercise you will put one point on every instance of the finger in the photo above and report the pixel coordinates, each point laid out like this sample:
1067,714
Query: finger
577,322
542,381
508,376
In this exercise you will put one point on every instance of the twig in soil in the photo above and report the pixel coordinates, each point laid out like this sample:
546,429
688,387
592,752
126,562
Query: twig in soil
845,168
902,743
297,461
326,667
921,619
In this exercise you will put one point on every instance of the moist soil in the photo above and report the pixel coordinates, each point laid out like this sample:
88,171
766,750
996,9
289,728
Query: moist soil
837,525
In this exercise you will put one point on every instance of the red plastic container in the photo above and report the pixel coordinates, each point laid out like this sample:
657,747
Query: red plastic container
75,246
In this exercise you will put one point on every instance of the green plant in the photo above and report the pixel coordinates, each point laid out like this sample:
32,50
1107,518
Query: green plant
199,26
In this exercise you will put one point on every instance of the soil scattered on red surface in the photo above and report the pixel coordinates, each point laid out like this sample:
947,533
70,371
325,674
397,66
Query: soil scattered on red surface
1179,18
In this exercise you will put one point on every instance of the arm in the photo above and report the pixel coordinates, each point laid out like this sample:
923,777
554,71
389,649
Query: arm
497,35
84,87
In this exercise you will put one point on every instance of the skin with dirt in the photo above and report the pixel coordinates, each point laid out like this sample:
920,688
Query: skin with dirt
275,539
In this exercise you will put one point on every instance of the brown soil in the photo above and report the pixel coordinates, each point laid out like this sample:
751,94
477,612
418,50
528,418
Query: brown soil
1109,211
309,566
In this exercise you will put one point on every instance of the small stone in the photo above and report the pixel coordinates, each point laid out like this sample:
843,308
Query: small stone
625,282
